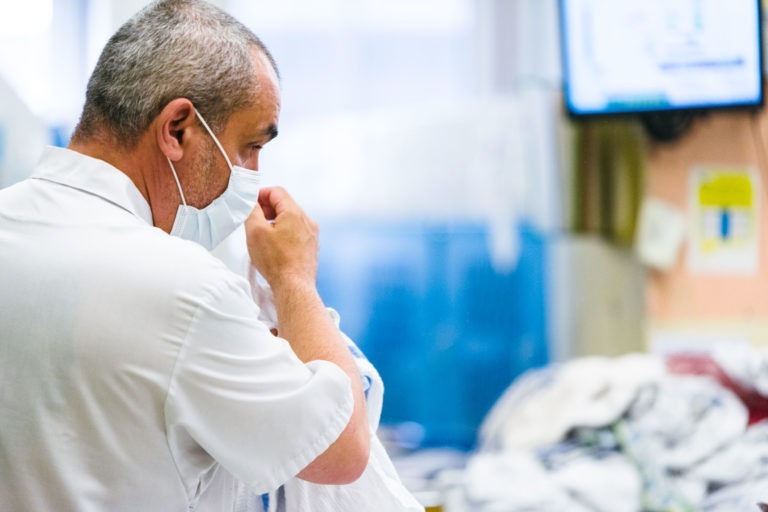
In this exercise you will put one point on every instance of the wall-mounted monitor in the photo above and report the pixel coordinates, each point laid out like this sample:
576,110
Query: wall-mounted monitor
644,56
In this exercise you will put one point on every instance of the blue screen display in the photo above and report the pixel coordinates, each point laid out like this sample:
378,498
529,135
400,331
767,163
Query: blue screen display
633,56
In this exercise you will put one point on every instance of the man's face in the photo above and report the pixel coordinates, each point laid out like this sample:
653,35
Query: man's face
243,137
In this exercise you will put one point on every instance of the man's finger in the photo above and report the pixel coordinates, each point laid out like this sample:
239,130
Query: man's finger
257,216
266,203
276,200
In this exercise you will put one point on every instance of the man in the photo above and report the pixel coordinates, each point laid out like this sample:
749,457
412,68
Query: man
134,372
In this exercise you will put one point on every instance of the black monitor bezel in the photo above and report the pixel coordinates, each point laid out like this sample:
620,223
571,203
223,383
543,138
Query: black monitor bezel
692,109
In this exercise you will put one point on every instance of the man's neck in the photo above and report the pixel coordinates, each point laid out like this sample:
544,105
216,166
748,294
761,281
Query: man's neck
127,162
139,164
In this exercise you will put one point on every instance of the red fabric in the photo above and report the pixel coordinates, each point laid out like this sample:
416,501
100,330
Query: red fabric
700,364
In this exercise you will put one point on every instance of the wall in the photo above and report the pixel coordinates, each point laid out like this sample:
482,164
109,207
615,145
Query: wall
595,302
684,307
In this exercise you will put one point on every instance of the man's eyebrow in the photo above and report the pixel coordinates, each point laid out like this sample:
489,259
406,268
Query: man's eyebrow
271,132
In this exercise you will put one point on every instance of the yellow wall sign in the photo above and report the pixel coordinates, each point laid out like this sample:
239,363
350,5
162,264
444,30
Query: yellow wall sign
725,216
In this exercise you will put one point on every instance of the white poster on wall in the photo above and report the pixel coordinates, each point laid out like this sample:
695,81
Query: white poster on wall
725,217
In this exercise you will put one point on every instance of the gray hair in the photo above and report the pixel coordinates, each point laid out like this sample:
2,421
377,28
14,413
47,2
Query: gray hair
170,49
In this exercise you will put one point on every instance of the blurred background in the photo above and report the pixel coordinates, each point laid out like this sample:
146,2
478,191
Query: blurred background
471,230
422,135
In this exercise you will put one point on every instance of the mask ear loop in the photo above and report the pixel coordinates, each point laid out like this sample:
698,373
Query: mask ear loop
210,132
178,184
181,193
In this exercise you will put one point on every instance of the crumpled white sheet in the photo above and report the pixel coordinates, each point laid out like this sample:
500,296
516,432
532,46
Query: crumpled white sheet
737,498
588,392
673,425
518,482
613,484
513,482
745,365
680,420
617,434
744,459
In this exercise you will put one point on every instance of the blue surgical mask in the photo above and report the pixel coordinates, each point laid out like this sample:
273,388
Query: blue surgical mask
212,224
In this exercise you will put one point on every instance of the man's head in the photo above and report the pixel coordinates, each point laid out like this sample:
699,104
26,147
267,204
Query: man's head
171,49
174,63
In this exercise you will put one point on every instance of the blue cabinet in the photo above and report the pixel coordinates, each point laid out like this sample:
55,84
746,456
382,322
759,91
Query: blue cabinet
447,332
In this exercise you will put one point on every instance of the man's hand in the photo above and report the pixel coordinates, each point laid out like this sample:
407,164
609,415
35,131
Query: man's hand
282,240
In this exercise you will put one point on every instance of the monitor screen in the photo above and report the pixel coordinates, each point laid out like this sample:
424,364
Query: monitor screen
630,56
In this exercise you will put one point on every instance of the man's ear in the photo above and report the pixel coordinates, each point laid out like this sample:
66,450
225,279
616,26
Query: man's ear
172,128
